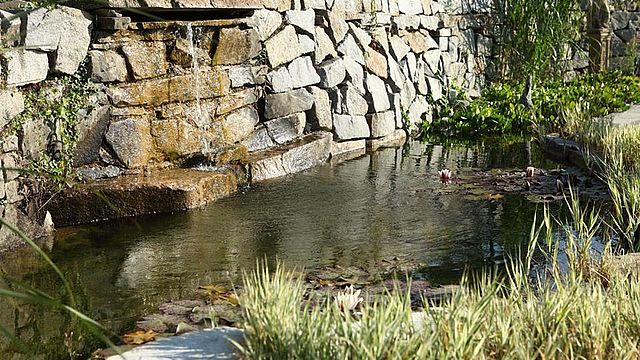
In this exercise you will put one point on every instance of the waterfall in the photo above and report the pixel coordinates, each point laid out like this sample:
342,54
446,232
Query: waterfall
195,70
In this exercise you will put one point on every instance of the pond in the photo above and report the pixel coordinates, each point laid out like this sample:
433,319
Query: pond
387,204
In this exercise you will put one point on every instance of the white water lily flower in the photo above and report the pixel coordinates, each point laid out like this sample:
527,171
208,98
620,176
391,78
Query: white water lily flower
445,176
348,300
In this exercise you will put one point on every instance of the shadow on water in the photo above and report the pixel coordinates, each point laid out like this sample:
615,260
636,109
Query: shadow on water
379,206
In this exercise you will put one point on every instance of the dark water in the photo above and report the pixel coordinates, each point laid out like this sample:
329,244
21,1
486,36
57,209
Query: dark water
389,203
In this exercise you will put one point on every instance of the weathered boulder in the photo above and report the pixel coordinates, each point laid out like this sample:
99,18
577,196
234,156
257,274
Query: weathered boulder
146,59
295,101
320,118
363,38
280,80
201,85
176,138
183,53
410,7
396,77
265,22
404,22
324,46
107,66
337,27
332,73
381,124
25,66
349,48
10,34
11,105
65,31
131,141
284,129
236,46
247,75
303,20
91,128
237,100
355,74
302,72
376,63
307,44
352,102
399,48
258,140
239,124
35,138
377,94
348,127
435,88
283,47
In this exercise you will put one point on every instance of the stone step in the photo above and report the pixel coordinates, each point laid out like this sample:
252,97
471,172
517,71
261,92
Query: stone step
309,151
132,195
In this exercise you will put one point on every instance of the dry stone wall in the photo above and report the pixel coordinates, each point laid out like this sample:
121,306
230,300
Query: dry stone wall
275,85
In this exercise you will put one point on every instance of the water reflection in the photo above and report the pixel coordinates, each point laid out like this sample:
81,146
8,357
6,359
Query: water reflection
381,205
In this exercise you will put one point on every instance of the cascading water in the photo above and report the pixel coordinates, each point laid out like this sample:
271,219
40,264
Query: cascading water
200,119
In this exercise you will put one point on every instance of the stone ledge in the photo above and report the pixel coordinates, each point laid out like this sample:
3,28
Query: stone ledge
310,151
164,191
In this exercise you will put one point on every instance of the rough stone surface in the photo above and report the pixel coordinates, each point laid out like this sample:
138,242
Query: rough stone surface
146,60
283,47
381,124
376,63
320,118
283,104
65,31
176,138
332,73
158,192
202,85
259,140
324,46
399,48
25,66
377,94
304,20
10,25
239,124
301,155
91,128
307,44
353,103
410,7
337,27
355,74
280,80
350,49
11,105
237,100
265,22
131,141
302,72
107,66
286,128
348,127
236,46
345,150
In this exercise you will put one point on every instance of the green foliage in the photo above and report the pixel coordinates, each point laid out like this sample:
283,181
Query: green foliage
56,104
498,110
536,37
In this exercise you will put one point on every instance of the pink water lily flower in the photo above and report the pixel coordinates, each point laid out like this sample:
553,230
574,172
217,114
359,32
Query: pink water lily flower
530,171
445,176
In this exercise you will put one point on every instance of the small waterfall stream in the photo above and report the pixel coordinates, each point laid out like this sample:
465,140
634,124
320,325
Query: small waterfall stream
200,120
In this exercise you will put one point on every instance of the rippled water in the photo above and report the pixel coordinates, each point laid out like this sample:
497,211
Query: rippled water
389,203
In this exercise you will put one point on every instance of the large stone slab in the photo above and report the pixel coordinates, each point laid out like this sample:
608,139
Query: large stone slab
301,155
321,112
162,191
347,127
303,20
25,66
284,129
278,105
131,141
302,72
146,59
107,66
381,124
239,124
236,46
332,73
265,22
154,92
65,31
237,100
324,46
283,47
91,128
347,150
377,94
394,139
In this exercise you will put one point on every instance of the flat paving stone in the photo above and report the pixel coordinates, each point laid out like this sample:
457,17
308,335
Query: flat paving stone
206,344
629,117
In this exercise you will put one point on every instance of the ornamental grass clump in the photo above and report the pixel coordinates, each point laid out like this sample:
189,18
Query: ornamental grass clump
561,300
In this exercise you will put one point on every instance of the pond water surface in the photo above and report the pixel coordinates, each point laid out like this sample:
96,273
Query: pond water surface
382,205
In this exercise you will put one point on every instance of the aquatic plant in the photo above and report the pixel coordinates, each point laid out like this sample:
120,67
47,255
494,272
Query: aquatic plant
530,171
445,176
348,299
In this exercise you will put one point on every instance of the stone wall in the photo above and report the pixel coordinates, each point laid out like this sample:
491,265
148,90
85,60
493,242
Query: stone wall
275,86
